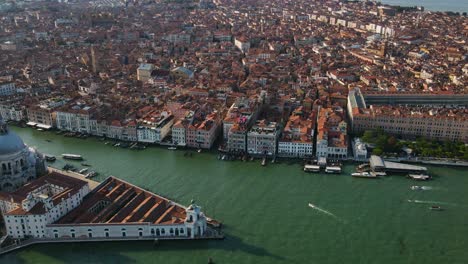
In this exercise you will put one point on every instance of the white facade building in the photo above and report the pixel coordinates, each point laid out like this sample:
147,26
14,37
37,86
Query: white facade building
154,131
34,206
359,150
7,88
262,138
295,149
12,112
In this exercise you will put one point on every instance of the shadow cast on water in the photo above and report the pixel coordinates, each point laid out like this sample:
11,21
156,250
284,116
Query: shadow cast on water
93,252
115,252
230,244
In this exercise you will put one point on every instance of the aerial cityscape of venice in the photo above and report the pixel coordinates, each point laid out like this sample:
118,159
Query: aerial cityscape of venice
233,131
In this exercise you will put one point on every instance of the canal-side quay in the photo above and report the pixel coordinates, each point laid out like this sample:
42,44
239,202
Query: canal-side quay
21,244
265,212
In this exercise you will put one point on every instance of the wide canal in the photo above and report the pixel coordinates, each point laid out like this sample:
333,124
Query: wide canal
266,214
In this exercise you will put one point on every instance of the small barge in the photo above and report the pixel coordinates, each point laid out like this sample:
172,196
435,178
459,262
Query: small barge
72,156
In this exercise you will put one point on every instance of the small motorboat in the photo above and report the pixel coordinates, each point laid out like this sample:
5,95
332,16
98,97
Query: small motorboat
264,162
415,187
172,148
83,170
91,174
199,150
436,208
364,174
419,177
85,164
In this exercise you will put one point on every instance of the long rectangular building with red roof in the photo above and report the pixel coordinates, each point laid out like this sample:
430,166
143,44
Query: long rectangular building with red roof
61,206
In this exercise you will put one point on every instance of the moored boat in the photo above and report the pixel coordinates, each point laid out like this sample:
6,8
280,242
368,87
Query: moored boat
363,174
83,170
50,158
264,161
91,174
72,156
436,208
213,223
333,169
172,148
311,168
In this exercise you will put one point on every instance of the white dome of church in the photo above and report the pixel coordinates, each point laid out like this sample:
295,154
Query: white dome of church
18,163
10,143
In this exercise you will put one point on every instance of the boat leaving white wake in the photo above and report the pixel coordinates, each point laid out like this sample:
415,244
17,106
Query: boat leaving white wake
324,211
433,202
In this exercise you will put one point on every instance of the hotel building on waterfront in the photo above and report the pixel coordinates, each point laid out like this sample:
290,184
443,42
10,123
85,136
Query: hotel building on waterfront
202,133
297,137
62,206
237,122
332,140
155,126
262,138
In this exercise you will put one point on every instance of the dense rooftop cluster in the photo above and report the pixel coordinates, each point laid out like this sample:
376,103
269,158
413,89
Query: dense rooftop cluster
182,71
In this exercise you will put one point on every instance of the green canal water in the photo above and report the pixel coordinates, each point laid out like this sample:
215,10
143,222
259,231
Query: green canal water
266,214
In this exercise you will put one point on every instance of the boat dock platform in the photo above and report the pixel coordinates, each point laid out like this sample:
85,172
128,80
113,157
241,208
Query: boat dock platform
379,165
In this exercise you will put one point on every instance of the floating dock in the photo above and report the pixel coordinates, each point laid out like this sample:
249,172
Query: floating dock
379,165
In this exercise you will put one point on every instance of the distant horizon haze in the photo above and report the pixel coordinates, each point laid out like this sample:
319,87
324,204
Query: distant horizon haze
432,5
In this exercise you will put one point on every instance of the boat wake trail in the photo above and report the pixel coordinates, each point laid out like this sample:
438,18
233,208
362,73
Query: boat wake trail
325,212
433,202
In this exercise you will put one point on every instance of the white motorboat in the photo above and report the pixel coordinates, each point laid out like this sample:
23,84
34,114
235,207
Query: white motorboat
363,174
419,177
72,156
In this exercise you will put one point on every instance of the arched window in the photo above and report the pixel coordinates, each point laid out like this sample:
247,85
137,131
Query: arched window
157,232
171,231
